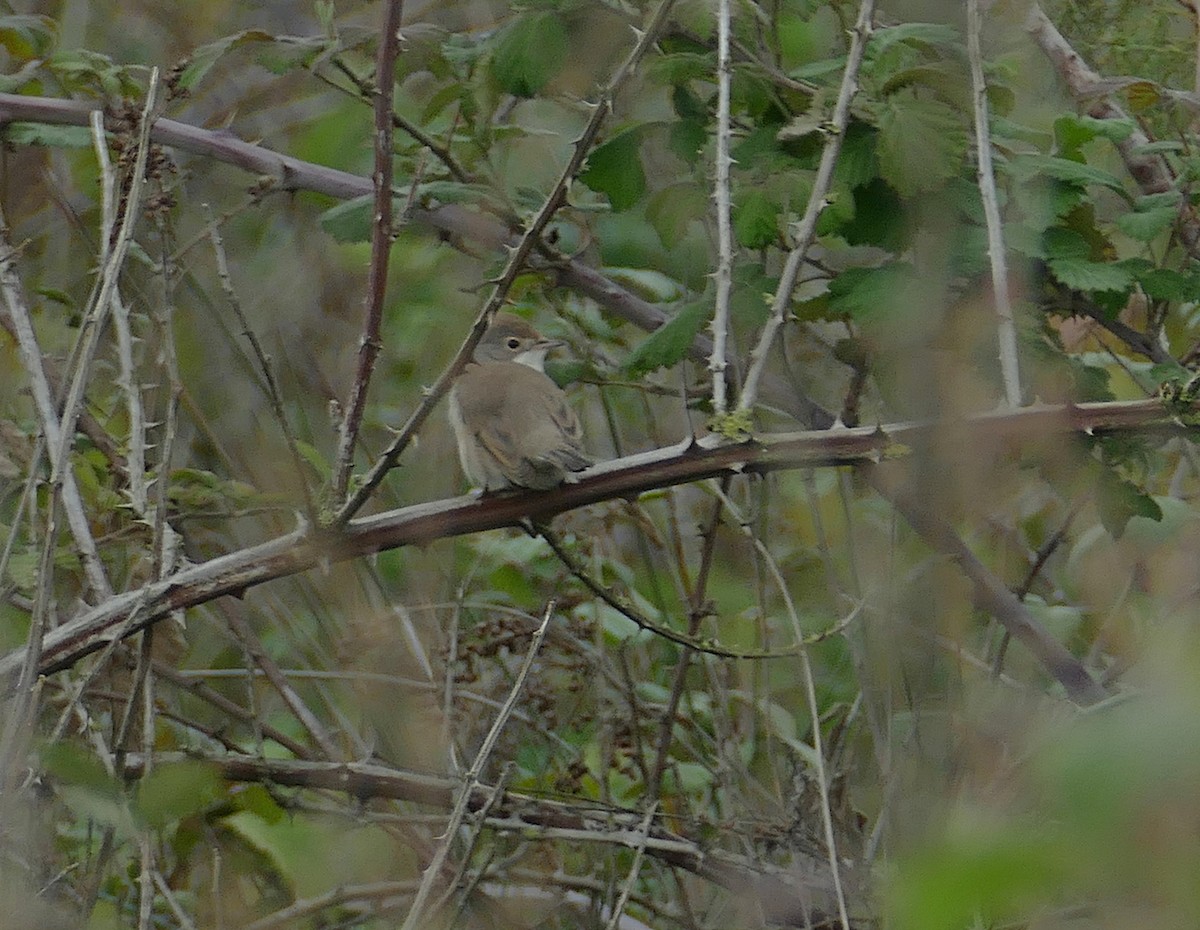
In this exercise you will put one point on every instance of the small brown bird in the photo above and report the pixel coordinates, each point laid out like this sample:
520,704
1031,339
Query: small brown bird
513,424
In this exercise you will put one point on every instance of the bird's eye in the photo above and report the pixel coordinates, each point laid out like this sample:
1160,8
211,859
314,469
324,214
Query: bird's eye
513,342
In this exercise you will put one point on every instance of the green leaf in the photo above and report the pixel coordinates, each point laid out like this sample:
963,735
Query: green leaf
26,37
651,285
857,165
755,219
674,209
1084,275
1167,284
1155,201
668,344
1072,131
1063,169
937,35
65,137
879,217
922,143
865,293
202,59
615,169
686,139
681,67
1062,243
73,765
349,221
172,791
529,52
1119,501
1145,226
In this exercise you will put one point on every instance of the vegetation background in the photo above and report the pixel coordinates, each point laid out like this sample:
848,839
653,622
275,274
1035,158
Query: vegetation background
766,679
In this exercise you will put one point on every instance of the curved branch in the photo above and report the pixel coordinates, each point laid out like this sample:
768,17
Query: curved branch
422,523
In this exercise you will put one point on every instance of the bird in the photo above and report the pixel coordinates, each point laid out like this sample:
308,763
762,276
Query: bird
513,424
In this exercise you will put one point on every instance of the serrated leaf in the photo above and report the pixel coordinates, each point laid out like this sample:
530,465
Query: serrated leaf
922,143
1119,501
668,344
1167,284
674,209
202,59
1155,201
755,219
1063,169
1062,243
1005,128
1084,275
614,168
868,293
928,34
1146,225
1160,146
529,52
681,67
1072,131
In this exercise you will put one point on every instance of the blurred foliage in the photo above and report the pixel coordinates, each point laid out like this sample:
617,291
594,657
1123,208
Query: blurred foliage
958,785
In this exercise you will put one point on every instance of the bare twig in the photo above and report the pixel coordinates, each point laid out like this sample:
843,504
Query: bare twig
241,628
696,613
274,395
720,325
635,866
1006,328
806,229
381,245
127,379
784,895
95,318
814,711
47,411
471,779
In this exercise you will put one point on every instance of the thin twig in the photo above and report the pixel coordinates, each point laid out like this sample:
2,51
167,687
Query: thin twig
249,640
381,245
94,319
17,729
264,363
516,261
814,711
635,866
696,613
718,364
471,779
688,641
1006,327
806,229
31,357
127,379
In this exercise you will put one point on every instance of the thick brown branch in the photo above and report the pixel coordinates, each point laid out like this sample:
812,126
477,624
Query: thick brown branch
626,477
